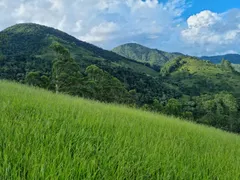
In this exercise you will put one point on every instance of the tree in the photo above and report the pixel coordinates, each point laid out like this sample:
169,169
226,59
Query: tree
66,72
45,82
104,87
94,73
156,106
187,115
228,106
36,79
173,107
219,110
33,78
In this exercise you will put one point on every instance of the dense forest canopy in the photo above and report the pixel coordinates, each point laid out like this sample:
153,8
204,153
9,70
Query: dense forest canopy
184,86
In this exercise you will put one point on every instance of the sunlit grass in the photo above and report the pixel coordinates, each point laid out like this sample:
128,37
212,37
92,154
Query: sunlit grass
48,136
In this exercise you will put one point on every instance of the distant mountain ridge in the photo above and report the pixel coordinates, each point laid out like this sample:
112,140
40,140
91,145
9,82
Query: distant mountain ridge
144,54
155,56
233,58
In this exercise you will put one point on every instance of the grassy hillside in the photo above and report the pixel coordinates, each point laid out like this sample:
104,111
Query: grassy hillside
233,58
48,136
143,54
194,75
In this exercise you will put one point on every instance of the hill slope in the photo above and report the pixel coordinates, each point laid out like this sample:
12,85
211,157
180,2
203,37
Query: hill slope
55,136
143,54
35,40
233,58
195,76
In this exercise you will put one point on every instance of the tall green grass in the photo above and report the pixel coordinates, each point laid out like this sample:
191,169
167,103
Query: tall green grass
48,136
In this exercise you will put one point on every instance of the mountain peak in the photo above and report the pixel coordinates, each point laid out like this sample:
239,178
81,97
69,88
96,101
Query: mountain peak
26,28
144,54
31,39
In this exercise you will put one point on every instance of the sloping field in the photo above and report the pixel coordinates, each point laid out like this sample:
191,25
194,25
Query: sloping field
48,136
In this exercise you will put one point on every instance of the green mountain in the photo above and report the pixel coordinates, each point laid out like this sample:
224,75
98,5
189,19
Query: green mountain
26,55
34,40
49,136
146,55
233,58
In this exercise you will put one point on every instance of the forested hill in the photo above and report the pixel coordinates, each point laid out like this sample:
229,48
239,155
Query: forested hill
27,56
144,54
194,76
233,58
33,39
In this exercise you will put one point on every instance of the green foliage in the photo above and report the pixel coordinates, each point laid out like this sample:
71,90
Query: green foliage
187,115
173,107
66,72
171,66
157,106
105,87
49,136
17,67
33,78
219,110
36,79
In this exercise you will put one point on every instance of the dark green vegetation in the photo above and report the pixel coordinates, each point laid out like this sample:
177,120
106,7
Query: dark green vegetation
210,90
152,57
49,136
185,87
233,58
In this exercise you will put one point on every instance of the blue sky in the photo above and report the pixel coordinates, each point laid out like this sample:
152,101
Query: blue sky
217,6
194,27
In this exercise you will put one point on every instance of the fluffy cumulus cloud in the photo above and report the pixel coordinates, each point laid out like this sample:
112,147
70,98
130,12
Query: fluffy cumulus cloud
212,33
108,23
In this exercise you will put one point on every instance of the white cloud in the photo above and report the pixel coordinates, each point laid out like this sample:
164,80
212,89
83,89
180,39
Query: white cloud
213,33
102,22
78,26
61,24
108,23
56,5
100,33
203,19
